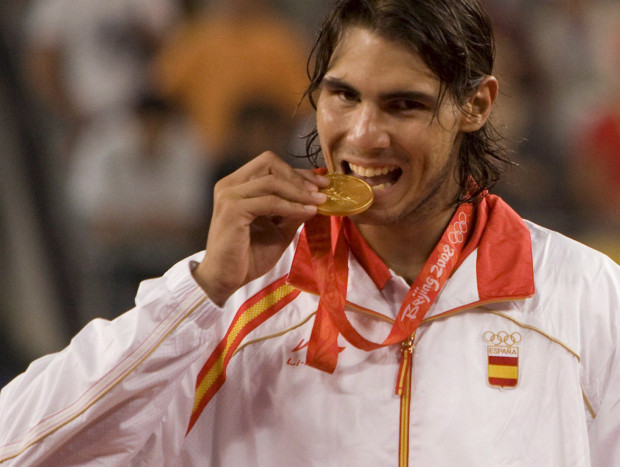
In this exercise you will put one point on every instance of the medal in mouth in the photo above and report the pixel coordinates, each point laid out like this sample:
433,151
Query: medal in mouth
379,177
346,196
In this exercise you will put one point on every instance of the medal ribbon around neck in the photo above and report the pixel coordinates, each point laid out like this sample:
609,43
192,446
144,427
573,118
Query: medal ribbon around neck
330,255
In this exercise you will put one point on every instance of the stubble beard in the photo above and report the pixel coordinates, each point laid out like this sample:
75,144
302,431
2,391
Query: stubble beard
439,198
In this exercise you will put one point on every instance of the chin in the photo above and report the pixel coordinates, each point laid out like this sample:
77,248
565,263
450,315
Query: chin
377,216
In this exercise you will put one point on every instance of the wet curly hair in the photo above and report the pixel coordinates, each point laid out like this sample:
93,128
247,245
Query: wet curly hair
455,40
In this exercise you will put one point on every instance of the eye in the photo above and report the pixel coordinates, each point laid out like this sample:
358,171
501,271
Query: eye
347,95
340,90
404,105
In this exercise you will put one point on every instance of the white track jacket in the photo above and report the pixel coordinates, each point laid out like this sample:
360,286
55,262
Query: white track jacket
517,363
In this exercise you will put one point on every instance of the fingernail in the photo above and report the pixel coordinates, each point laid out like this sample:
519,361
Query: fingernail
310,207
323,180
318,196
310,186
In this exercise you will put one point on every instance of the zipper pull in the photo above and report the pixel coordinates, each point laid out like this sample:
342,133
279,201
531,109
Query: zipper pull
405,364
407,345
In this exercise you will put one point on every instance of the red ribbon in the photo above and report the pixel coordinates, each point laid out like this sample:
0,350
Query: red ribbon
329,258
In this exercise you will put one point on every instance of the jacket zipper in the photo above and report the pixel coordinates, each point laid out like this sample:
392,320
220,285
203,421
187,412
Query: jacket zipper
403,389
403,384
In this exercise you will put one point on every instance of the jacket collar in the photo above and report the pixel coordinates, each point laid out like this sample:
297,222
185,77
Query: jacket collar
496,264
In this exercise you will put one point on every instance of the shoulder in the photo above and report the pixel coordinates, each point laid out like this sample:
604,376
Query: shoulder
556,253
577,288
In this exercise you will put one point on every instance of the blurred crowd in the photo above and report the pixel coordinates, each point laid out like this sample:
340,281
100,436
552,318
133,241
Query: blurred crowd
118,116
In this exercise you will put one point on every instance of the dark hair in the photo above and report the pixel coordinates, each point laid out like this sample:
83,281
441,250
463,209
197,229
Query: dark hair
455,40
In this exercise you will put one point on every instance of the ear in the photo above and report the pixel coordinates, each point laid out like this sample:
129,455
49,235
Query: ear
477,109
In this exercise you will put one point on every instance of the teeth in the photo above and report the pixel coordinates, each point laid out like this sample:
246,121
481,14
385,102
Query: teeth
370,171
382,186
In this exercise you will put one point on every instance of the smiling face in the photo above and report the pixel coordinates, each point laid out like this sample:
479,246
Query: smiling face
379,119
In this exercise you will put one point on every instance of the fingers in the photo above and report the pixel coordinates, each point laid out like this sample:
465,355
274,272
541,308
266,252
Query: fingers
276,190
318,180
268,163
257,210
266,198
267,186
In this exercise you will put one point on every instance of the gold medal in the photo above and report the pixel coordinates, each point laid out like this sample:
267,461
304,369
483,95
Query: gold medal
346,196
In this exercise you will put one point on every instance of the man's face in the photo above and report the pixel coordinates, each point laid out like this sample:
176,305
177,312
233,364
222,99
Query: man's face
375,120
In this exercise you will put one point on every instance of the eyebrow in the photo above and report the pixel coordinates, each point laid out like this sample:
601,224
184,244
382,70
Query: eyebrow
336,83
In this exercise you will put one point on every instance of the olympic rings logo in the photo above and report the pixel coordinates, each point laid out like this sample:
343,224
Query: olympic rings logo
460,229
503,337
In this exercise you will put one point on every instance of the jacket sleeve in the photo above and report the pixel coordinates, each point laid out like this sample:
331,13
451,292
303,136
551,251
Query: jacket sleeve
600,359
121,389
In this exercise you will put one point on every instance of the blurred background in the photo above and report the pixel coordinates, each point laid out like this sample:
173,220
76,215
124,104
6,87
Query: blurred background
117,117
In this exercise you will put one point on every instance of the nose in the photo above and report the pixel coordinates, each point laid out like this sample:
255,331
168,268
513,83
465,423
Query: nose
368,130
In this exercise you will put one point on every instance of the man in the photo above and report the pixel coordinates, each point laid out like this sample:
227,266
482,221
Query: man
502,337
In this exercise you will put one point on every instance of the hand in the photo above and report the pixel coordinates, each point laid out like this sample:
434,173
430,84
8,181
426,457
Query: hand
257,211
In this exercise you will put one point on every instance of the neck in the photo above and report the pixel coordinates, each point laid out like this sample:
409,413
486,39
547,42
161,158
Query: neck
405,246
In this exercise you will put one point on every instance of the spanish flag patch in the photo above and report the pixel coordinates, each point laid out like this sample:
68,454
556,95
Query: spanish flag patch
503,358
